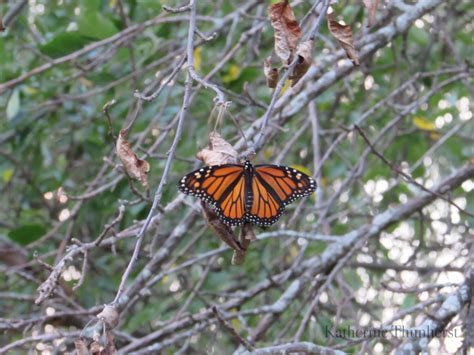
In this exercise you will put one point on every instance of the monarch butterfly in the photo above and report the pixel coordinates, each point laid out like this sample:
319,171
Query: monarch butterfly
243,193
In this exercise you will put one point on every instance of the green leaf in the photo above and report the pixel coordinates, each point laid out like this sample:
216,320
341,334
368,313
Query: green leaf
152,4
7,175
13,106
353,279
93,24
164,31
64,43
420,36
423,124
233,73
90,5
409,301
140,319
27,234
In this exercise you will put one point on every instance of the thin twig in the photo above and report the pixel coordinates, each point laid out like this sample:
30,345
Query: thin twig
407,177
157,93
175,10
106,109
83,271
231,330
11,14
212,36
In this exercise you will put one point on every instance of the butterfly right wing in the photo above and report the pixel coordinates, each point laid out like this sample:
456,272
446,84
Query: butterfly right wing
222,186
275,186
266,208
286,183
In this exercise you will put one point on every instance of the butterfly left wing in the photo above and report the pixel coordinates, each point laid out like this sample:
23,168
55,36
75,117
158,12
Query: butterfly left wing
222,186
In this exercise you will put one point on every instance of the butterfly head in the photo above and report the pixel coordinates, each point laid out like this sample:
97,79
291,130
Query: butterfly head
247,164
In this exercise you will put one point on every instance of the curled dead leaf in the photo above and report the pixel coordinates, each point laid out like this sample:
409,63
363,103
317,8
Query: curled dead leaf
110,316
270,73
305,58
371,6
136,168
343,33
287,31
247,233
220,229
81,347
245,237
219,152
96,348
103,346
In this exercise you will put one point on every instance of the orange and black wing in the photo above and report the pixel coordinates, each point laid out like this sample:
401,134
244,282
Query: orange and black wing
222,186
275,186
266,207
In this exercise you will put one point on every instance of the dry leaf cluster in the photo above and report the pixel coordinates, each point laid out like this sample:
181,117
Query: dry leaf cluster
287,30
287,34
136,168
343,33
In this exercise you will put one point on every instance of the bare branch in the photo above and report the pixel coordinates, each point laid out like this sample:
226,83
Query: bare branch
302,347
450,308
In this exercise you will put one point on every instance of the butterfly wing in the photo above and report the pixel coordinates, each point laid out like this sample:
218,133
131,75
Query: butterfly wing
222,186
275,186
266,207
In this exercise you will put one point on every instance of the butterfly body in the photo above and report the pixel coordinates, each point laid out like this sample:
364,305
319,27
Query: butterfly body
244,193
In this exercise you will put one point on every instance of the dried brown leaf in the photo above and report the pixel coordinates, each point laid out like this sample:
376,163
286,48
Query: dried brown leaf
136,168
96,348
220,229
81,347
270,73
110,349
286,28
110,316
371,6
245,237
305,58
247,233
343,33
219,152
